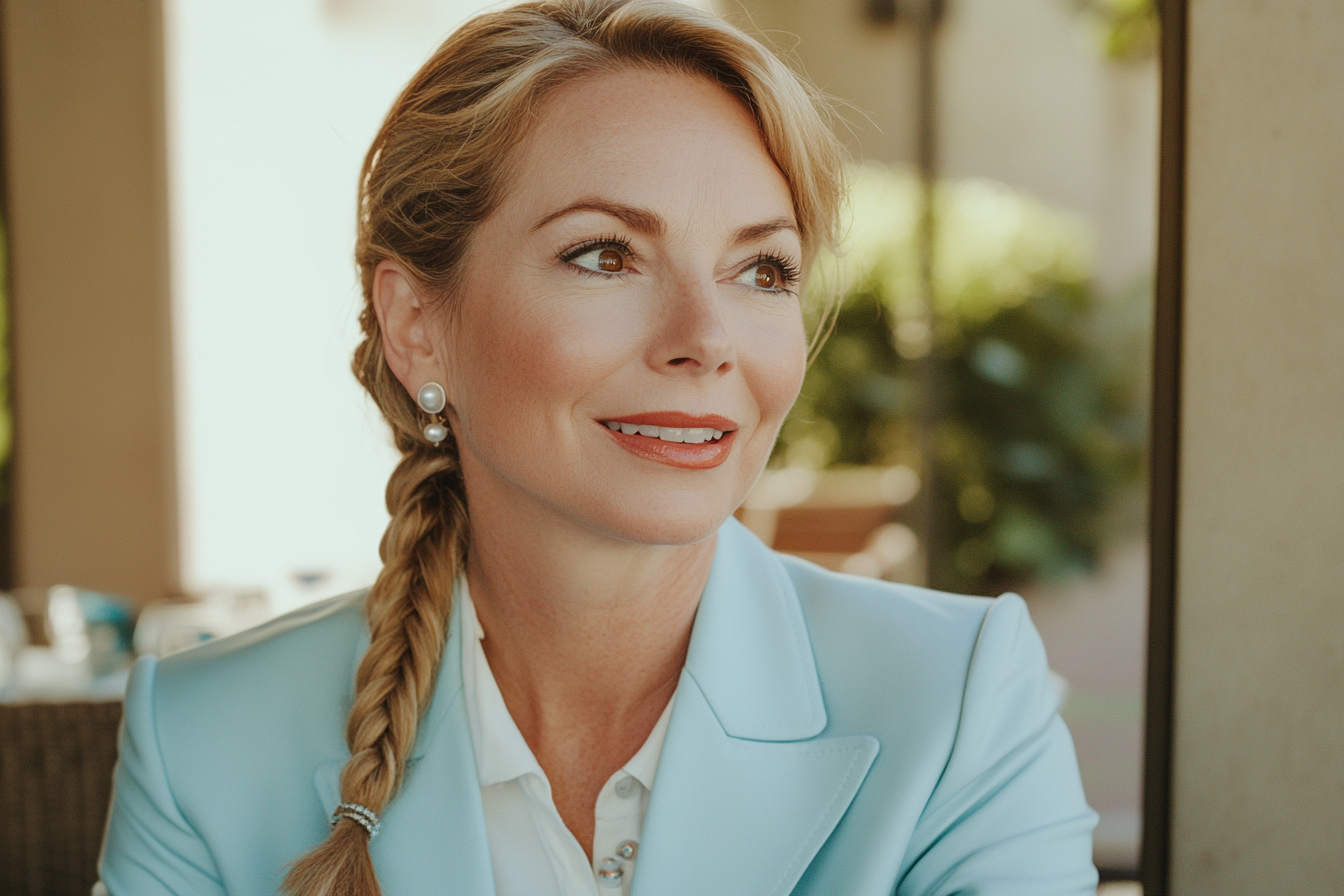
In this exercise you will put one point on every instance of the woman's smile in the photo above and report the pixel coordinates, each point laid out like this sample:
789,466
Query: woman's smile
676,439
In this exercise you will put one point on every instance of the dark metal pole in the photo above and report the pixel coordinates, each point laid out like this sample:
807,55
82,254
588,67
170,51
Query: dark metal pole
1164,457
926,15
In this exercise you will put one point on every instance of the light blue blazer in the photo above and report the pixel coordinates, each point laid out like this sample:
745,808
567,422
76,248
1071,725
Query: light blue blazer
832,735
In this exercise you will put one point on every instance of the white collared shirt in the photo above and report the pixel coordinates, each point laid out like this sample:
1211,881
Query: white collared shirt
531,851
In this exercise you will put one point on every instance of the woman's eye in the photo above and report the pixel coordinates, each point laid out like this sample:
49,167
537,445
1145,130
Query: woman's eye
763,275
767,276
607,260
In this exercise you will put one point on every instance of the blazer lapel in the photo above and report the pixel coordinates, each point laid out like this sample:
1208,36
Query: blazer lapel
432,838
746,791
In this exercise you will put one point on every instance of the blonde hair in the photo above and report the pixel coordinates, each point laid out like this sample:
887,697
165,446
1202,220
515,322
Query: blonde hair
436,169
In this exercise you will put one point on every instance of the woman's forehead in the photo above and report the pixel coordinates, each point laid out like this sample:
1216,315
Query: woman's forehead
654,139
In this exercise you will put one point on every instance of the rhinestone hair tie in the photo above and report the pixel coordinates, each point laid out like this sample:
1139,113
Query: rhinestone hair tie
361,815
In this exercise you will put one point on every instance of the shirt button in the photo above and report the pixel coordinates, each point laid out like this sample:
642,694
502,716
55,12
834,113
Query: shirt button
610,873
627,850
625,788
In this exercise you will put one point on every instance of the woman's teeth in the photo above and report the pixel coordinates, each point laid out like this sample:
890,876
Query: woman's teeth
692,435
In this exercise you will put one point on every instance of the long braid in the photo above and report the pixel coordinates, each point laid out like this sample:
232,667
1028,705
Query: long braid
408,608
434,172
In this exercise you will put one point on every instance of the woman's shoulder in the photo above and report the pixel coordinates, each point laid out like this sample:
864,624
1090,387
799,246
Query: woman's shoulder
223,741
976,771
899,622
886,648
911,658
319,634
870,601
297,668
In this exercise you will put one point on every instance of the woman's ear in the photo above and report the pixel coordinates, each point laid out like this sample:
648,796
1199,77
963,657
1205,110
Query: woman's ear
410,339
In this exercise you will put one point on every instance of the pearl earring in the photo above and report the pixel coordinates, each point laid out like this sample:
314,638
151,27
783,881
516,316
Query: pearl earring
432,400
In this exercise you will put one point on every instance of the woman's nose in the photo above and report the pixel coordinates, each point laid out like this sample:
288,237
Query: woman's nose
691,336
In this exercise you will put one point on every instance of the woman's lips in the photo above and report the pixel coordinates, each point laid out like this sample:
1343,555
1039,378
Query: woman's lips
675,419
692,442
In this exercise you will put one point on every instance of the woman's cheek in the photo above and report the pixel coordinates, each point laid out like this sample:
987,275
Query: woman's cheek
774,362
528,345
578,335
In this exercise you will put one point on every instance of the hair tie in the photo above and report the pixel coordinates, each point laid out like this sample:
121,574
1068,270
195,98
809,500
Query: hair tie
361,815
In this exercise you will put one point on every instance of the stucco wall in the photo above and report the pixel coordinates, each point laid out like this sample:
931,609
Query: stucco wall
1258,801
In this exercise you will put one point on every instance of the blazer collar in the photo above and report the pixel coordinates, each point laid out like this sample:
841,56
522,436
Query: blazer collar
750,653
747,792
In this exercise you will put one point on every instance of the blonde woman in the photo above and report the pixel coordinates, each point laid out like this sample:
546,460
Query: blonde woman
583,230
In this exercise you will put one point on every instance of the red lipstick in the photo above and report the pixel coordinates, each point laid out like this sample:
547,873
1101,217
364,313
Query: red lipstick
686,455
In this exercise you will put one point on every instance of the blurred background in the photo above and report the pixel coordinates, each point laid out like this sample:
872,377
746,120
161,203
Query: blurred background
975,422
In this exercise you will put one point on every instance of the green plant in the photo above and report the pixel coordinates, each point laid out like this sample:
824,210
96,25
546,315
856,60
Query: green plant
1124,29
1037,422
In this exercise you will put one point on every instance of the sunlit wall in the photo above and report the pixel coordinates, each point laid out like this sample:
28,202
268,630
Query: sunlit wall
271,105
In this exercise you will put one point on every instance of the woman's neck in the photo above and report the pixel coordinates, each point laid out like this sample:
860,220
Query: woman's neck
576,623
586,636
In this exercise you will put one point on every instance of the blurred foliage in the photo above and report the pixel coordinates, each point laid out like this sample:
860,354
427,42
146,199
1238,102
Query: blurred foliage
1039,421
1125,29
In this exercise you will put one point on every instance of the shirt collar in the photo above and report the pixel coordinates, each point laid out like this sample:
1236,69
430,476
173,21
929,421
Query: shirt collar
643,766
501,752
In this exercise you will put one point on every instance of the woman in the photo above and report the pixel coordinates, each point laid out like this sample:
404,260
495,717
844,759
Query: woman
582,233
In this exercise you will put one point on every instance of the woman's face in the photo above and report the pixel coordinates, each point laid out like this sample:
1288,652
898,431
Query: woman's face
628,336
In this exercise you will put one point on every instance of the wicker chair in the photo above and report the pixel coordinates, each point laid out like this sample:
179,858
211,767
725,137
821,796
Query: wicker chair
56,764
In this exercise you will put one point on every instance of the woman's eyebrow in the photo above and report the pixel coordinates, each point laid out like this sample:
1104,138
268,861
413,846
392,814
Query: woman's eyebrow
650,223
641,220
753,232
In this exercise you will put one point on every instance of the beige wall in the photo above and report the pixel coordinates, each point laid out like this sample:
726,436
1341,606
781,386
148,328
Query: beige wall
85,190
1258,804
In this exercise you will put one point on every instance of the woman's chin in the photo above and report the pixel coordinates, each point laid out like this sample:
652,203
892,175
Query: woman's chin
669,526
